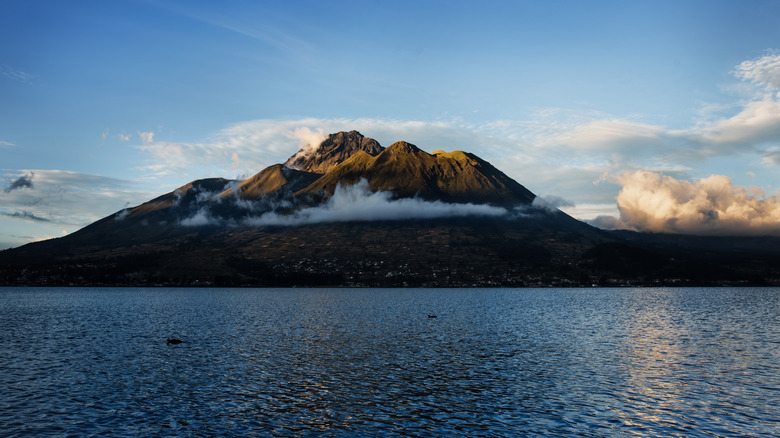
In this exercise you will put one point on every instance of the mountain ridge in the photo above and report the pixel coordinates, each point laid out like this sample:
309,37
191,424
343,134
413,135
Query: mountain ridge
291,224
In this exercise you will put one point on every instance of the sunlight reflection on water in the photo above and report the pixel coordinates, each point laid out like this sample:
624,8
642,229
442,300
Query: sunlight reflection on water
495,362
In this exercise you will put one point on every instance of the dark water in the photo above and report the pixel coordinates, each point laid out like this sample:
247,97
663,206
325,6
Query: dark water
508,362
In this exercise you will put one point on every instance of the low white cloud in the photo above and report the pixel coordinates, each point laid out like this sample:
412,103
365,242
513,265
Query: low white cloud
650,201
607,222
358,203
551,203
122,214
124,137
309,140
201,218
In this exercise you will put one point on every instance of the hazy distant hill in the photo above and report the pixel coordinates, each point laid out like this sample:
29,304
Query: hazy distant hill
350,212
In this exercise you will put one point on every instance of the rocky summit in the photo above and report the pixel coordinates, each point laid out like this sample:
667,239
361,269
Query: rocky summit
349,212
334,150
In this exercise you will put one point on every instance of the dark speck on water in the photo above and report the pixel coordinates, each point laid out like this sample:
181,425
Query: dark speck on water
173,341
361,362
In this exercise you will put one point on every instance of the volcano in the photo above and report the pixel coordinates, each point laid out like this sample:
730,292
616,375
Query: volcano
350,212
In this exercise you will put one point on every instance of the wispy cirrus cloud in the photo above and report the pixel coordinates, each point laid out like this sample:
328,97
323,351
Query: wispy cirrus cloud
6,144
16,74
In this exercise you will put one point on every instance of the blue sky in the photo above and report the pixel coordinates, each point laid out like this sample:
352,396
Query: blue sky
597,105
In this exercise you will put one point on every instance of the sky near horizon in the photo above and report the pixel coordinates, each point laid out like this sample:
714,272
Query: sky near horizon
648,115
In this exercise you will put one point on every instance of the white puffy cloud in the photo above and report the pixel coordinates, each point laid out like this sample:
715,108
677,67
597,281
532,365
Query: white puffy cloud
649,201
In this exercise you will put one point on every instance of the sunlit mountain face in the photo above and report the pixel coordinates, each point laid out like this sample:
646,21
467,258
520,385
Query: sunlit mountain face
348,211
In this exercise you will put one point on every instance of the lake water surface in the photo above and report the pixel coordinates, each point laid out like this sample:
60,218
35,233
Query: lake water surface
292,362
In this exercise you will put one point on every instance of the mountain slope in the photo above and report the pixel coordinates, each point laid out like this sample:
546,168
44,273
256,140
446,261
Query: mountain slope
274,180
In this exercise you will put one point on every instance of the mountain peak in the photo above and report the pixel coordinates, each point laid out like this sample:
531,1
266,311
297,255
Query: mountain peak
334,150
402,146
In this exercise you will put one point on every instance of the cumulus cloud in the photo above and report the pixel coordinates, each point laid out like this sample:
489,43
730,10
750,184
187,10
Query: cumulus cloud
24,181
124,137
649,201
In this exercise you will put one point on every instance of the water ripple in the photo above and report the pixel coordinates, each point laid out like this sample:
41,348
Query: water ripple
552,362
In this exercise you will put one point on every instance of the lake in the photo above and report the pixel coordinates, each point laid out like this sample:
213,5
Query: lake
362,362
